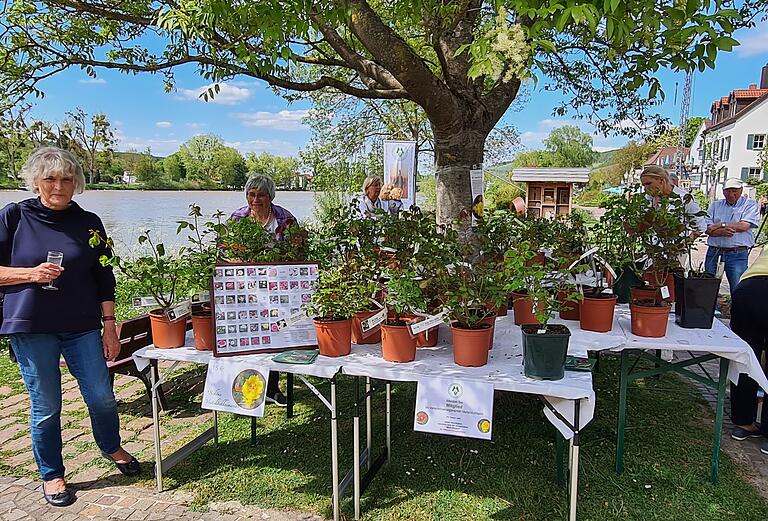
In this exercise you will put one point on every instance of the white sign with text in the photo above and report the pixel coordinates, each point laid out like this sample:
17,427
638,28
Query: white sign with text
235,385
456,407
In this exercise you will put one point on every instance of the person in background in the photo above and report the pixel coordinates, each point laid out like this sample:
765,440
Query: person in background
373,199
76,321
259,194
729,229
749,319
655,181
673,180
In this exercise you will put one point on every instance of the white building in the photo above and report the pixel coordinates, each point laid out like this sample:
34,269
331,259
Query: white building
731,146
129,177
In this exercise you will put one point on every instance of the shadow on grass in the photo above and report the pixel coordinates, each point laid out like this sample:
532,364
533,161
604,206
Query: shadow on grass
511,477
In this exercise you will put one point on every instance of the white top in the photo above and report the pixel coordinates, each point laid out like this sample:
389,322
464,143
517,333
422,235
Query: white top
367,208
691,208
745,210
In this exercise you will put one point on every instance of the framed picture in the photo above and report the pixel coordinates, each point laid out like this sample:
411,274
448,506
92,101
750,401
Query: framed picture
256,308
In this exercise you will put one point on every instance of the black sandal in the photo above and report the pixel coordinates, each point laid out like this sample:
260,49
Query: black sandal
59,499
130,469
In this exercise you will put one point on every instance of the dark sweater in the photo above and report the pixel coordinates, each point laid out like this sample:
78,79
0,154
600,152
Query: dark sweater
83,285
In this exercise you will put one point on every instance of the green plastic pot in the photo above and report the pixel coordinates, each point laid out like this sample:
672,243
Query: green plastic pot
544,354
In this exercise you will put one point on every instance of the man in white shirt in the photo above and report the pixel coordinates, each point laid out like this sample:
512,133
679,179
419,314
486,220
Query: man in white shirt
729,227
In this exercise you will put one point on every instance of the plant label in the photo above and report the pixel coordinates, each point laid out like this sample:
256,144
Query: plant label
179,312
428,323
294,319
145,302
664,292
203,296
388,249
584,255
373,321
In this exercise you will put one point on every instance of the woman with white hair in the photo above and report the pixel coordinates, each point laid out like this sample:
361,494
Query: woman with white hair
372,198
76,321
259,193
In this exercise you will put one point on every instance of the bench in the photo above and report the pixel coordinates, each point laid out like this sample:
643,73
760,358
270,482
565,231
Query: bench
134,334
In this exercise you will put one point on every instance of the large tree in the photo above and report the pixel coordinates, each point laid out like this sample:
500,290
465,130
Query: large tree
87,137
462,61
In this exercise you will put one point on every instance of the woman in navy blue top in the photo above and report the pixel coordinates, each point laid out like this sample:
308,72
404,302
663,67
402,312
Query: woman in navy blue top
45,324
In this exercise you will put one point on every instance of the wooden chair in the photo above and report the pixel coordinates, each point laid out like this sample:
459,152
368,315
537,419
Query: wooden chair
135,334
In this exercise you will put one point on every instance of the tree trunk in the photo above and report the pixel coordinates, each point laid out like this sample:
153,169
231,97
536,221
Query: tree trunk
456,152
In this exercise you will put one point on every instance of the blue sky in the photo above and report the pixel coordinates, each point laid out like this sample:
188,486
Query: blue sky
249,117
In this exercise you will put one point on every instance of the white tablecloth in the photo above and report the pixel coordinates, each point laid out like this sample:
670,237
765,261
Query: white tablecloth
719,340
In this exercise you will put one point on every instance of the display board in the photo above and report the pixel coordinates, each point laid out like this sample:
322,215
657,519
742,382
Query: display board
257,308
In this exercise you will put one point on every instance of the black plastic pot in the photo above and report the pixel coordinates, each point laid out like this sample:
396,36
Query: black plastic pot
695,300
544,354
626,279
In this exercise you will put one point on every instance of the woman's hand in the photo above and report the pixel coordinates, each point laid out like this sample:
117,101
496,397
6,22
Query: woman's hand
110,341
44,272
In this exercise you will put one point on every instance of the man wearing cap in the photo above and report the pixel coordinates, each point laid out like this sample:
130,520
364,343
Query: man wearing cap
729,227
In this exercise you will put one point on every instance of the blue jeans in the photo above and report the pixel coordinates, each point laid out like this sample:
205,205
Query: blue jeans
38,355
735,264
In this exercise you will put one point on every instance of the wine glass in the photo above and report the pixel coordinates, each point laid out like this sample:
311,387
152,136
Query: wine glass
54,257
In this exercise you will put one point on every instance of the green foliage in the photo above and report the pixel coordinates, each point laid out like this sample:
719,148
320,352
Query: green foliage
472,292
570,147
157,273
149,173
339,294
246,240
203,253
403,293
702,199
500,194
284,171
427,187
592,196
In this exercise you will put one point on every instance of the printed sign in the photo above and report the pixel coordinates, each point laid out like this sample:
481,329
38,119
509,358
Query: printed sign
456,407
235,385
259,307
427,323
477,185
183,310
399,172
373,321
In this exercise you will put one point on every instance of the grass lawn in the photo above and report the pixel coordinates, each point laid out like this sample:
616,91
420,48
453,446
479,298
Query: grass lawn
512,477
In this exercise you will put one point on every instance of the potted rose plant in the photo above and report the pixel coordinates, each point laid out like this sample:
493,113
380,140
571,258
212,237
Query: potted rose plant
158,274
403,296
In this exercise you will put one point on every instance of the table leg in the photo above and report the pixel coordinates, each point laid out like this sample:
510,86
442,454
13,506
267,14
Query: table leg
573,478
289,397
368,421
623,383
389,421
254,425
356,448
334,451
216,429
721,383
153,374
559,457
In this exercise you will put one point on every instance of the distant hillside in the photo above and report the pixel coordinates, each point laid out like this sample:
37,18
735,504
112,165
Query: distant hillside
133,156
605,158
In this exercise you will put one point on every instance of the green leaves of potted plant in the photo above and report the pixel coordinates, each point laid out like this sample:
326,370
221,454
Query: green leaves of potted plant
200,257
469,288
403,295
524,281
158,274
338,295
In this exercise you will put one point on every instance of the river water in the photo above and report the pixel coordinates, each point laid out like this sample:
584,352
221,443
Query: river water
126,213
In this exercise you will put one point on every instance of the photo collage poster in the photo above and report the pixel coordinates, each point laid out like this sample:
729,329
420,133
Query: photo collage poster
256,307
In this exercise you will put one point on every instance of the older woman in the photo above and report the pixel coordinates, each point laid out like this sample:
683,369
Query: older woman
45,325
259,193
372,198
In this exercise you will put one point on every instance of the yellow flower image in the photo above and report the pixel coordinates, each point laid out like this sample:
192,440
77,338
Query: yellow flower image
252,389
484,426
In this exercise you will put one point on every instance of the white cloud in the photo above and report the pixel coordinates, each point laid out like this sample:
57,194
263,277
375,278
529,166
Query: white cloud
195,125
159,147
754,41
275,147
284,120
163,124
227,95
92,81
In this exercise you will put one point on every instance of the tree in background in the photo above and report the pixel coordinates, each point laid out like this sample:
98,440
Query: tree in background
284,171
173,167
631,157
462,62
14,137
197,155
87,137
148,172
231,168
570,147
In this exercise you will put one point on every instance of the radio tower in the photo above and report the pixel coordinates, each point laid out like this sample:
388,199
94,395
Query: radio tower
685,106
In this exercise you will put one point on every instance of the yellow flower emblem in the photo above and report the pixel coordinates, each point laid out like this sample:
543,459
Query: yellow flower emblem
252,389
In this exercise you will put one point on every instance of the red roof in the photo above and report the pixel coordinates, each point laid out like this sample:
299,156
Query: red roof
749,93
665,156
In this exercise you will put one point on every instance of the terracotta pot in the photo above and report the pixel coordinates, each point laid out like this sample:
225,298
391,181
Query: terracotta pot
167,334
523,308
357,332
470,346
569,309
645,293
501,310
597,313
538,260
649,321
202,327
334,337
669,282
427,338
397,344
490,321
518,203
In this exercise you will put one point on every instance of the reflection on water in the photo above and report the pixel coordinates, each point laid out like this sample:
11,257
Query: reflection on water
126,213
